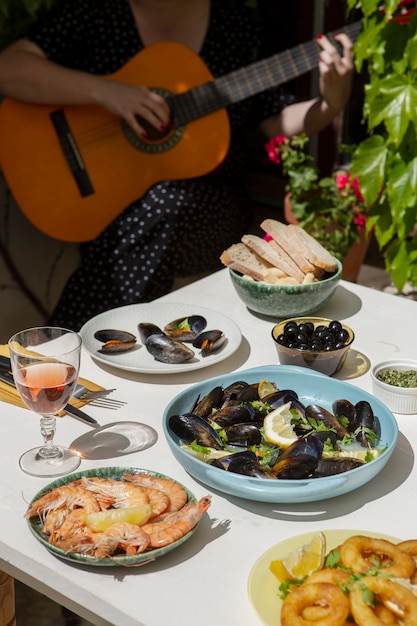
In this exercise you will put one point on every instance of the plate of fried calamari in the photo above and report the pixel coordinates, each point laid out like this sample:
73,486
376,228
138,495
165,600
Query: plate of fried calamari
287,583
111,516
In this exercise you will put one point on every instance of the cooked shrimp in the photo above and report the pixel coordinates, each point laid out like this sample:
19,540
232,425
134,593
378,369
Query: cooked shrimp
54,520
175,526
158,500
129,537
73,526
121,493
65,497
176,492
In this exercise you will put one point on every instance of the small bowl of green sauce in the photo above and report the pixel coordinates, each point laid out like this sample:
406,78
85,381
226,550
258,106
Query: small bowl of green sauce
395,383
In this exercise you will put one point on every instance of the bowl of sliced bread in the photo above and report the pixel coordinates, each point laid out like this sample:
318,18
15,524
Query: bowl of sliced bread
284,274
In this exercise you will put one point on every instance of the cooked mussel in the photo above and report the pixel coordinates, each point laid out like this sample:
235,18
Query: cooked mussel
243,434
146,329
189,428
212,400
343,409
366,424
328,437
300,459
239,391
247,464
115,341
282,396
233,414
320,414
168,350
329,467
186,328
210,341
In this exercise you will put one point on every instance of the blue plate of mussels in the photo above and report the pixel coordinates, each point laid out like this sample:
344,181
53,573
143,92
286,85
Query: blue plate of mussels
344,436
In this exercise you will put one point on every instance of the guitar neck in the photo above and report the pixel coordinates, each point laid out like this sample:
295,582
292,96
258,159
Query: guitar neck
249,81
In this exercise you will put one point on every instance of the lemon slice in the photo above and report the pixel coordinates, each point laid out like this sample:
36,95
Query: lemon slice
265,388
278,428
302,561
101,520
278,569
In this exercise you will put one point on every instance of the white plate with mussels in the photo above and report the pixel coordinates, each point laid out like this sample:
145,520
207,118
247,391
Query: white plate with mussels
137,358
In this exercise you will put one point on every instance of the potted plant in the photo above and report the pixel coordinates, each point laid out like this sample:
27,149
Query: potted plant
386,161
331,209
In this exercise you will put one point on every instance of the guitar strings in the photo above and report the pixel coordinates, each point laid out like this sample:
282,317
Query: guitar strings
237,85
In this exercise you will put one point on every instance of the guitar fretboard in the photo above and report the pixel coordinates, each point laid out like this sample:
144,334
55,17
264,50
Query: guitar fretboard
248,81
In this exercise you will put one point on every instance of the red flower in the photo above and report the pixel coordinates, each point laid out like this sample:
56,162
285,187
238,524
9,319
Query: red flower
356,190
360,221
342,181
272,148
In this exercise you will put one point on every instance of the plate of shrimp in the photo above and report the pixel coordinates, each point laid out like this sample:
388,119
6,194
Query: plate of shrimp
114,516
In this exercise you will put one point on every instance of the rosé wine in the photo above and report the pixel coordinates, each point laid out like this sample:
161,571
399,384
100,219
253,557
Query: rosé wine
46,387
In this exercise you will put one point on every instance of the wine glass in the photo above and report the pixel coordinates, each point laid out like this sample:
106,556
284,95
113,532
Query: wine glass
45,364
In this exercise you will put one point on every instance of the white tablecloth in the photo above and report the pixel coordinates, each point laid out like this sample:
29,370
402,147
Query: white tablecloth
205,581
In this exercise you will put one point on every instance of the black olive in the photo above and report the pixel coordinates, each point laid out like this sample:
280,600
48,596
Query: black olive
343,335
305,337
306,327
335,325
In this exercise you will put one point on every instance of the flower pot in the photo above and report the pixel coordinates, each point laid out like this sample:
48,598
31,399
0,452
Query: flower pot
352,262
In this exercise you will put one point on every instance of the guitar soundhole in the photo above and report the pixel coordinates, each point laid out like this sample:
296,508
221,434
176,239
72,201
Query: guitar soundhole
156,141
152,133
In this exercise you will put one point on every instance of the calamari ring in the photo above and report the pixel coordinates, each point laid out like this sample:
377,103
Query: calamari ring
324,595
356,551
400,601
410,547
329,575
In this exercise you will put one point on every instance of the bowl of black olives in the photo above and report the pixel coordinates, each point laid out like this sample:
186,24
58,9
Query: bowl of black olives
315,342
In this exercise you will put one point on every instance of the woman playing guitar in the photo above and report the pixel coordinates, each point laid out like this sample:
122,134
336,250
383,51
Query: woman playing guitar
177,227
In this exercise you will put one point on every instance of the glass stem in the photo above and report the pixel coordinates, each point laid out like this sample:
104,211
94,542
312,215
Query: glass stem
48,427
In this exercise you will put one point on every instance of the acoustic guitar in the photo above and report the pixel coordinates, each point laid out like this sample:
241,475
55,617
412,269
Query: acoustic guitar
73,169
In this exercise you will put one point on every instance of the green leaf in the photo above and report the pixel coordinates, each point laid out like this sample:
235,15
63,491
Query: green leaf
368,164
402,194
397,263
412,52
395,105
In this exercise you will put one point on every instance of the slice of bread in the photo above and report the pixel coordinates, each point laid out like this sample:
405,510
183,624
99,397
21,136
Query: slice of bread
284,243
242,259
274,256
312,249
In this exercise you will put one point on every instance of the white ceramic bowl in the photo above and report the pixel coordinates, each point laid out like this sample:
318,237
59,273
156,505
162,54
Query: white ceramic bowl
311,387
398,399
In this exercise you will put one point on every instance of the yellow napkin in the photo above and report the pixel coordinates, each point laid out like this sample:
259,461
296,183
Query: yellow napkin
11,395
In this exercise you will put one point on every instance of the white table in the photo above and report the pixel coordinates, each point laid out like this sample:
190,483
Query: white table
205,581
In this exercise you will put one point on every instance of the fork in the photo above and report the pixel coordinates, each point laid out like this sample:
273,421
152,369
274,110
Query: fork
98,398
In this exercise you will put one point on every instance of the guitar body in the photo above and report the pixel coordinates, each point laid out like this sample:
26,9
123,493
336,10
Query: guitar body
119,166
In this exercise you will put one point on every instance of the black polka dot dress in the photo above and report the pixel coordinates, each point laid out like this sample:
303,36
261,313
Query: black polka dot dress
177,228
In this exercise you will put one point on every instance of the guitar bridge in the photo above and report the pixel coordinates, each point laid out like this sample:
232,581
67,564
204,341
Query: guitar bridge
71,153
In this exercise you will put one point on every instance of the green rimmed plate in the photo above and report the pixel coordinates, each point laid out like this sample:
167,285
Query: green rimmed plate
115,473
